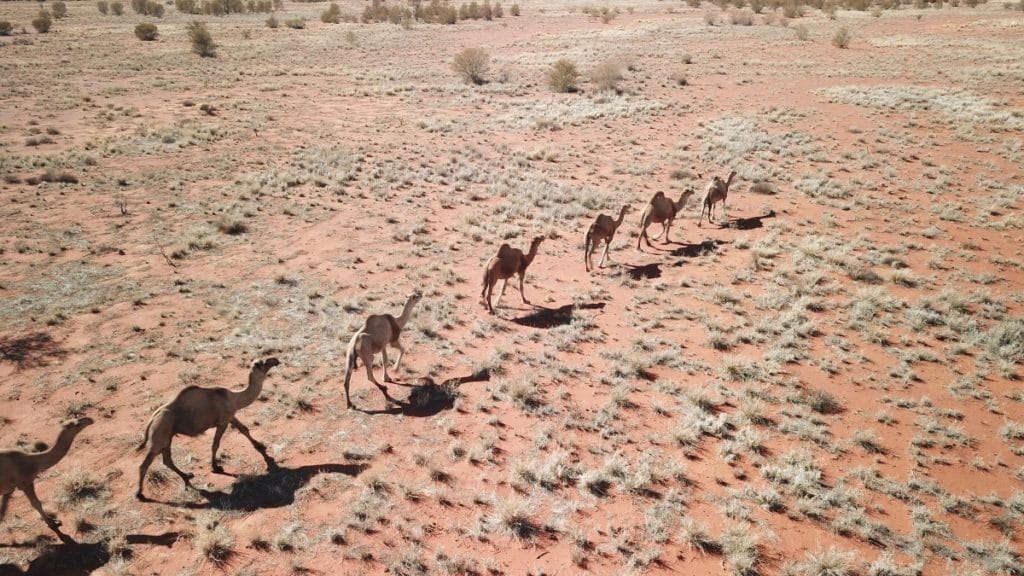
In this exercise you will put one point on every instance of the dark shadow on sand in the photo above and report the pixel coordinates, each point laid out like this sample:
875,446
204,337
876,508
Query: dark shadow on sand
695,250
273,489
429,398
749,223
73,559
551,317
645,272
32,351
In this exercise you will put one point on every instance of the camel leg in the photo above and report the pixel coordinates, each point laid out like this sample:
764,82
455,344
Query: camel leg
53,523
658,235
521,293
217,435
401,352
604,254
3,504
169,462
384,362
504,283
372,378
259,446
667,230
142,473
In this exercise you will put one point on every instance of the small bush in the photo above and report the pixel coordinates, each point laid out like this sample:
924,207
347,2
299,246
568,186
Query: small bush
59,9
741,18
202,42
471,64
6,28
710,18
332,15
296,23
562,76
103,7
117,8
42,22
607,75
139,6
272,22
146,31
155,9
841,39
515,10
801,32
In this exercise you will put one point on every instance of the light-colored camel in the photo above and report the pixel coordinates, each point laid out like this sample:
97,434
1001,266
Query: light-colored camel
716,192
19,469
663,210
378,332
508,262
602,230
194,411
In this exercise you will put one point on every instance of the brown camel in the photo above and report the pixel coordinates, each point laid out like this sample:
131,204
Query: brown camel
378,332
716,192
602,230
19,470
661,210
194,411
508,262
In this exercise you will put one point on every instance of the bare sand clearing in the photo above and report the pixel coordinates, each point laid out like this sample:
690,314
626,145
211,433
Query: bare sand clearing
825,381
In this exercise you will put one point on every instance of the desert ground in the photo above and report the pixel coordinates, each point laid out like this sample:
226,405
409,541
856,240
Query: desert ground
826,380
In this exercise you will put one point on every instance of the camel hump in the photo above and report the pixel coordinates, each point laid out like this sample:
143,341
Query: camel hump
504,251
658,194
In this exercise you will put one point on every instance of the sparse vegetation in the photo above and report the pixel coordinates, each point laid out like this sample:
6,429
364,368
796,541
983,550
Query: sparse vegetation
146,31
562,76
841,39
202,41
42,22
471,64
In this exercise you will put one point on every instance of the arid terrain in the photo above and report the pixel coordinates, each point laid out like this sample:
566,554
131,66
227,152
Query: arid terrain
825,381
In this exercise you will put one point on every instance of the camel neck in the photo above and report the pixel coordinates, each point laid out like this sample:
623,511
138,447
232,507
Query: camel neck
406,313
533,252
622,216
251,392
60,448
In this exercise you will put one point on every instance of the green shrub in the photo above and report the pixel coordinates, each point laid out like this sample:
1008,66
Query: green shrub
42,22
103,7
332,15
471,64
146,31
117,8
562,76
202,42
841,39
59,9
6,28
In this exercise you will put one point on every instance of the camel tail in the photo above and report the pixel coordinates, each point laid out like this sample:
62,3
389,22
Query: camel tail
145,436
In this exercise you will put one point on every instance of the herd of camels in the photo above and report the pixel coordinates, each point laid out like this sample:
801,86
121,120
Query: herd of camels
195,409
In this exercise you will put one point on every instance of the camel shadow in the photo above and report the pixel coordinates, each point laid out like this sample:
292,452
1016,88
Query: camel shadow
694,250
32,351
74,559
644,272
274,489
546,318
429,398
748,223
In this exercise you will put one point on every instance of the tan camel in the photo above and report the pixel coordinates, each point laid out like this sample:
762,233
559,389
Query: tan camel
661,210
602,230
194,411
378,332
19,469
716,192
508,262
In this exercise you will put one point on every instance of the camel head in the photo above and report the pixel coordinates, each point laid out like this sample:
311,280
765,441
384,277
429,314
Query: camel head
626,209
415,297
77,424
536,241
266,365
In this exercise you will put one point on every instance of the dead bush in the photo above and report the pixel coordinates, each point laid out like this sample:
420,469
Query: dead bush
471,65
146,31
841,39
607,75
42,22
563,75
202,41
332,15
6,28
103,7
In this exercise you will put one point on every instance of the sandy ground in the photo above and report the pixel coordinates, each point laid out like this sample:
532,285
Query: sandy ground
826,380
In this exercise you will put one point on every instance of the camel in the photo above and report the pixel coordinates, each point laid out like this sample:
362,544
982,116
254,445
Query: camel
602,230
661,210
378,332
716,192
195,410
508,262
19,469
